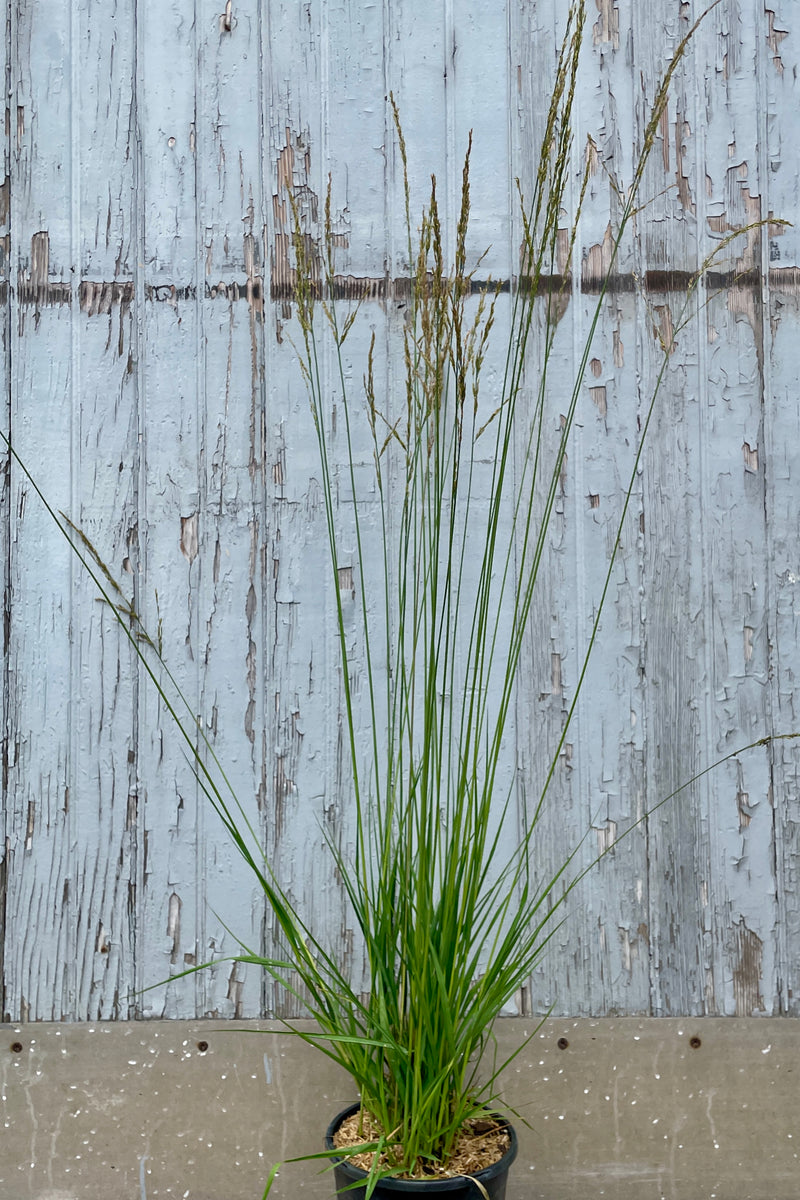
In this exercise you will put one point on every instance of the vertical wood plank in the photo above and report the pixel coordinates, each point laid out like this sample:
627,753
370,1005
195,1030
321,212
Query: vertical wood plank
5,480
38,953
301,688
595,792
231,510
73,788
171,385
781,440
105,427
310,778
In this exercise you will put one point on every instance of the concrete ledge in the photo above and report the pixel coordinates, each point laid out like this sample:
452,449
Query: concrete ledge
628,1109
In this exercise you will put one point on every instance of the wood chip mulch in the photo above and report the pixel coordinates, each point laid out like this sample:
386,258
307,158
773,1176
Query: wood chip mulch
480,1143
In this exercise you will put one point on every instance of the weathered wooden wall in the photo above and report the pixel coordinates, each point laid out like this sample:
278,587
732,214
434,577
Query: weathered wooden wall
150,384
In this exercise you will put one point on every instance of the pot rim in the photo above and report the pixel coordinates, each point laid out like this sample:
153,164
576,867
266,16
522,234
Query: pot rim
444,1184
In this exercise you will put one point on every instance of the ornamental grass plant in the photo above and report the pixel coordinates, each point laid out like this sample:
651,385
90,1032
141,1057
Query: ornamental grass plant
453,924
452,921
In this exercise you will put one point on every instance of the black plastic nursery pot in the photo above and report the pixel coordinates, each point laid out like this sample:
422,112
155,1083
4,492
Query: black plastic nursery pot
460,1187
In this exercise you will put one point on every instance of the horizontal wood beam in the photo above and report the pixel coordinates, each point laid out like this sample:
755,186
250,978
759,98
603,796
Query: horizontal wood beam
96,297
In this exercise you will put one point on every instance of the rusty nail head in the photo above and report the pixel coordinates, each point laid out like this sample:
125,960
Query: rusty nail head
16,1047
202,1047
562,1043
695,1042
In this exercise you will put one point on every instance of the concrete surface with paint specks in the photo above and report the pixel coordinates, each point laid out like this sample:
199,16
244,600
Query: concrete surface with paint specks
629,1109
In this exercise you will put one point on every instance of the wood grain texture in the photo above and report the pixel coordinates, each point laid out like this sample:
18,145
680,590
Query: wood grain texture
150,382
5,493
